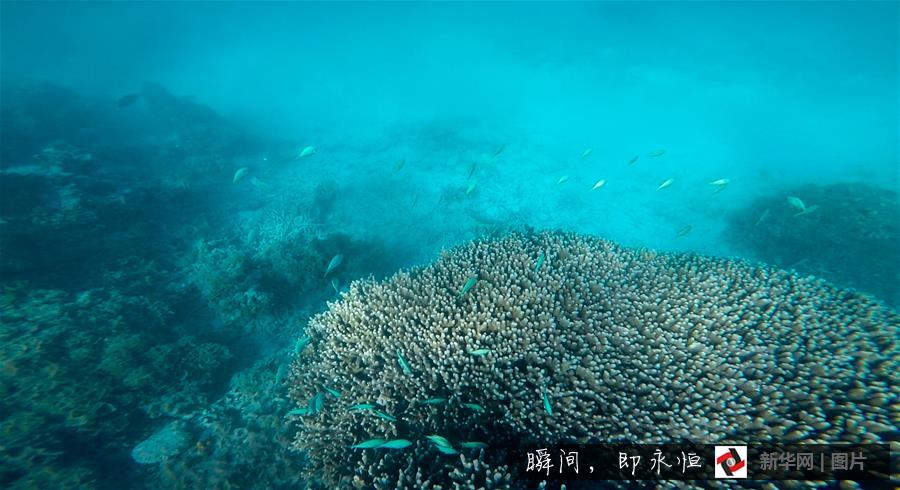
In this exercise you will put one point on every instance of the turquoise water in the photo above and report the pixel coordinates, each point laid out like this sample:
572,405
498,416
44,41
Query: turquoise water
164,242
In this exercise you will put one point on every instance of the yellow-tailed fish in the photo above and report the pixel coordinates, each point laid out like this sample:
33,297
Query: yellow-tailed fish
403,364
333,264
796,203
396,444
563,179
540,261
307,151
633,160
657,153
370,444
684,231
439,440
470,282
480,352
473,445
399,165
384,416
600,183
473,406
547,407
331,391
666,183
587,152
241,172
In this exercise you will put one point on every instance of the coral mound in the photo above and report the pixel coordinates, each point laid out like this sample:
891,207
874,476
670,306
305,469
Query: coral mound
568,338
849,235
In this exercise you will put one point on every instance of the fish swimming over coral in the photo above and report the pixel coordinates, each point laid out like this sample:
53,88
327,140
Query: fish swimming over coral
333,264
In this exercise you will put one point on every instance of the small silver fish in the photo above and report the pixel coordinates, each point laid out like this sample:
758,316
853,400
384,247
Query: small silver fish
499,150
473,406
396,444
586,153
547,407
362,406
684,231
306,151
480,352
434,401
471,187
403,364
335,285
720,184
257,182
809,209
384,416
563,179
472,168
439,440
540,261
301,344
666,183
657,153
399,165
299,411
239,175
332,391
370,444
762,217
796,203
316,403
468,285
333,264
600,183
414,201
446,450
473,445
633,160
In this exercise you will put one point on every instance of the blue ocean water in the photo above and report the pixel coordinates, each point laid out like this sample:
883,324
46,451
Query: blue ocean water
177,176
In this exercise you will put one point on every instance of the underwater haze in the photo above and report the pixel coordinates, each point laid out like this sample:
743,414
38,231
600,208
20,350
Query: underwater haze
198,198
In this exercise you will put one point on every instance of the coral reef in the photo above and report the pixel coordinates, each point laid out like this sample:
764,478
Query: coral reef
555,338
240,441
849,235
275,264
82,371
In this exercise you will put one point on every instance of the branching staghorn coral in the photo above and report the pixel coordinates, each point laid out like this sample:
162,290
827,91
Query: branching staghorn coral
566,338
